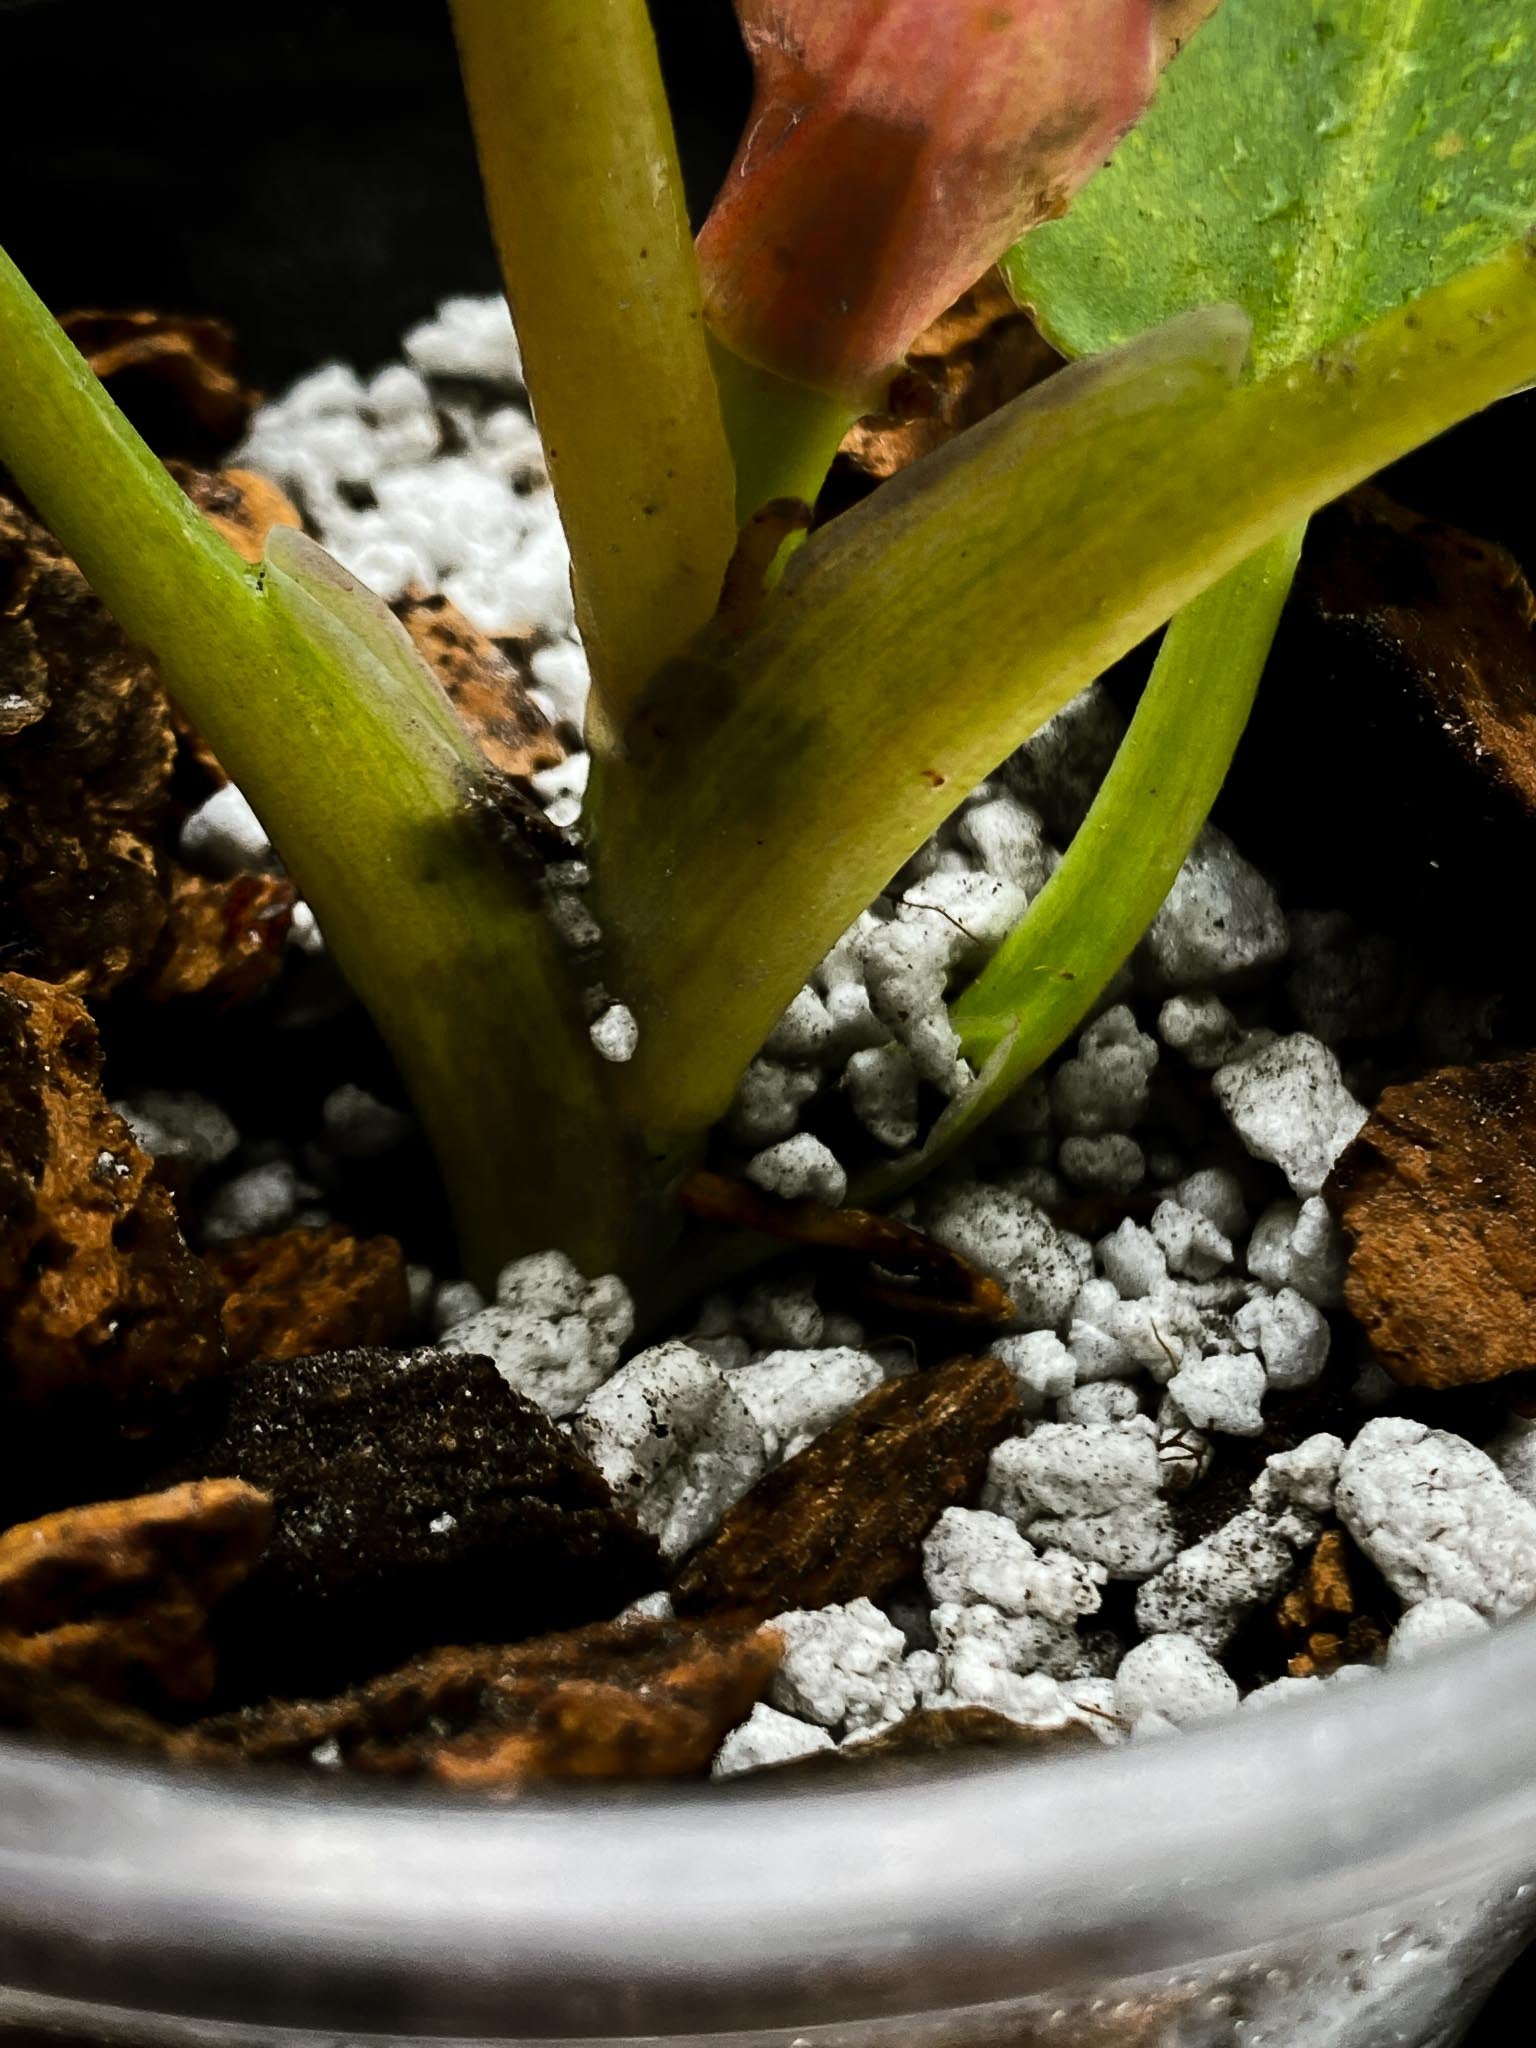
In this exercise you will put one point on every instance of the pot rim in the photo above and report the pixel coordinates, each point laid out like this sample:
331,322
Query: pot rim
686,1910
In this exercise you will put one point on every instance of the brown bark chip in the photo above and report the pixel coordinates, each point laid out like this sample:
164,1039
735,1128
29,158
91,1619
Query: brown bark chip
38,1700
310,1290
1405,705
975,357
944,1731
419,1500
1459,617
1322,1620
642,1699
238,504
940,1731
489,694
1438,1198
172,373
117,1596
98,1293
86,752
848,1515
223,938
88,749
899,1266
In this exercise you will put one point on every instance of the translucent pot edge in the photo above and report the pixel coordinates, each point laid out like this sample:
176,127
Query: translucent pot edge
615,1913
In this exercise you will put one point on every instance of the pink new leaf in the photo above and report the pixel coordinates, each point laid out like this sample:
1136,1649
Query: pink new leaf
896,148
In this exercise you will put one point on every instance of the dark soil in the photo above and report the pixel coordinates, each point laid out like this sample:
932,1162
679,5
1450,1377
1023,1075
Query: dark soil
309,177
307,174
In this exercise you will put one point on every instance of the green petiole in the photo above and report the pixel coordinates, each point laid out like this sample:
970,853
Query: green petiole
315,701
1054,966
920,638
783,436
585,196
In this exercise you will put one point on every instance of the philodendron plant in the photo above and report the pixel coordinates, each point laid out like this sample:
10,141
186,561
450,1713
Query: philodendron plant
1308,259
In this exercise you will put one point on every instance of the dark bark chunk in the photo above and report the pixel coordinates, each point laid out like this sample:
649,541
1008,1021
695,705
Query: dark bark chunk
117,1596
418,1501
848,1515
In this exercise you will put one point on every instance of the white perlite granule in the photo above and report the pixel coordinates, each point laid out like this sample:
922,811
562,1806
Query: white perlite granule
431,474
1438,1518
550,1333
615,1034
1143,1348
674,1440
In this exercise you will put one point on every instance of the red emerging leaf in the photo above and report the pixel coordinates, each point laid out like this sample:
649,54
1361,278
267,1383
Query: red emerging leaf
896,148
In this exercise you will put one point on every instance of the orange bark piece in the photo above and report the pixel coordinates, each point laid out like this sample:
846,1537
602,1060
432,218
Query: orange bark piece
1438,1198
117,1596
172,373
488,692
311,1290
223,937
974,358
240,505
98,1293
1321,1614
641,1699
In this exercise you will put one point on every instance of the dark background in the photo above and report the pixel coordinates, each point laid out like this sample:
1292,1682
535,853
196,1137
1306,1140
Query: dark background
305,170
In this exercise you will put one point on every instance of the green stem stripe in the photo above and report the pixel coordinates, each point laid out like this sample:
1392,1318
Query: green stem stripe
585,197
1081,928
1122,862
315,701
920,638
783,436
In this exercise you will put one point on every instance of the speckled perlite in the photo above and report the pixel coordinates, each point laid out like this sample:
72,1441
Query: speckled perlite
1333,1856
1228,1067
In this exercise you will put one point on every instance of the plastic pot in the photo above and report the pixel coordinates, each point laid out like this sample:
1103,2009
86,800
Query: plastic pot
1346,1873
